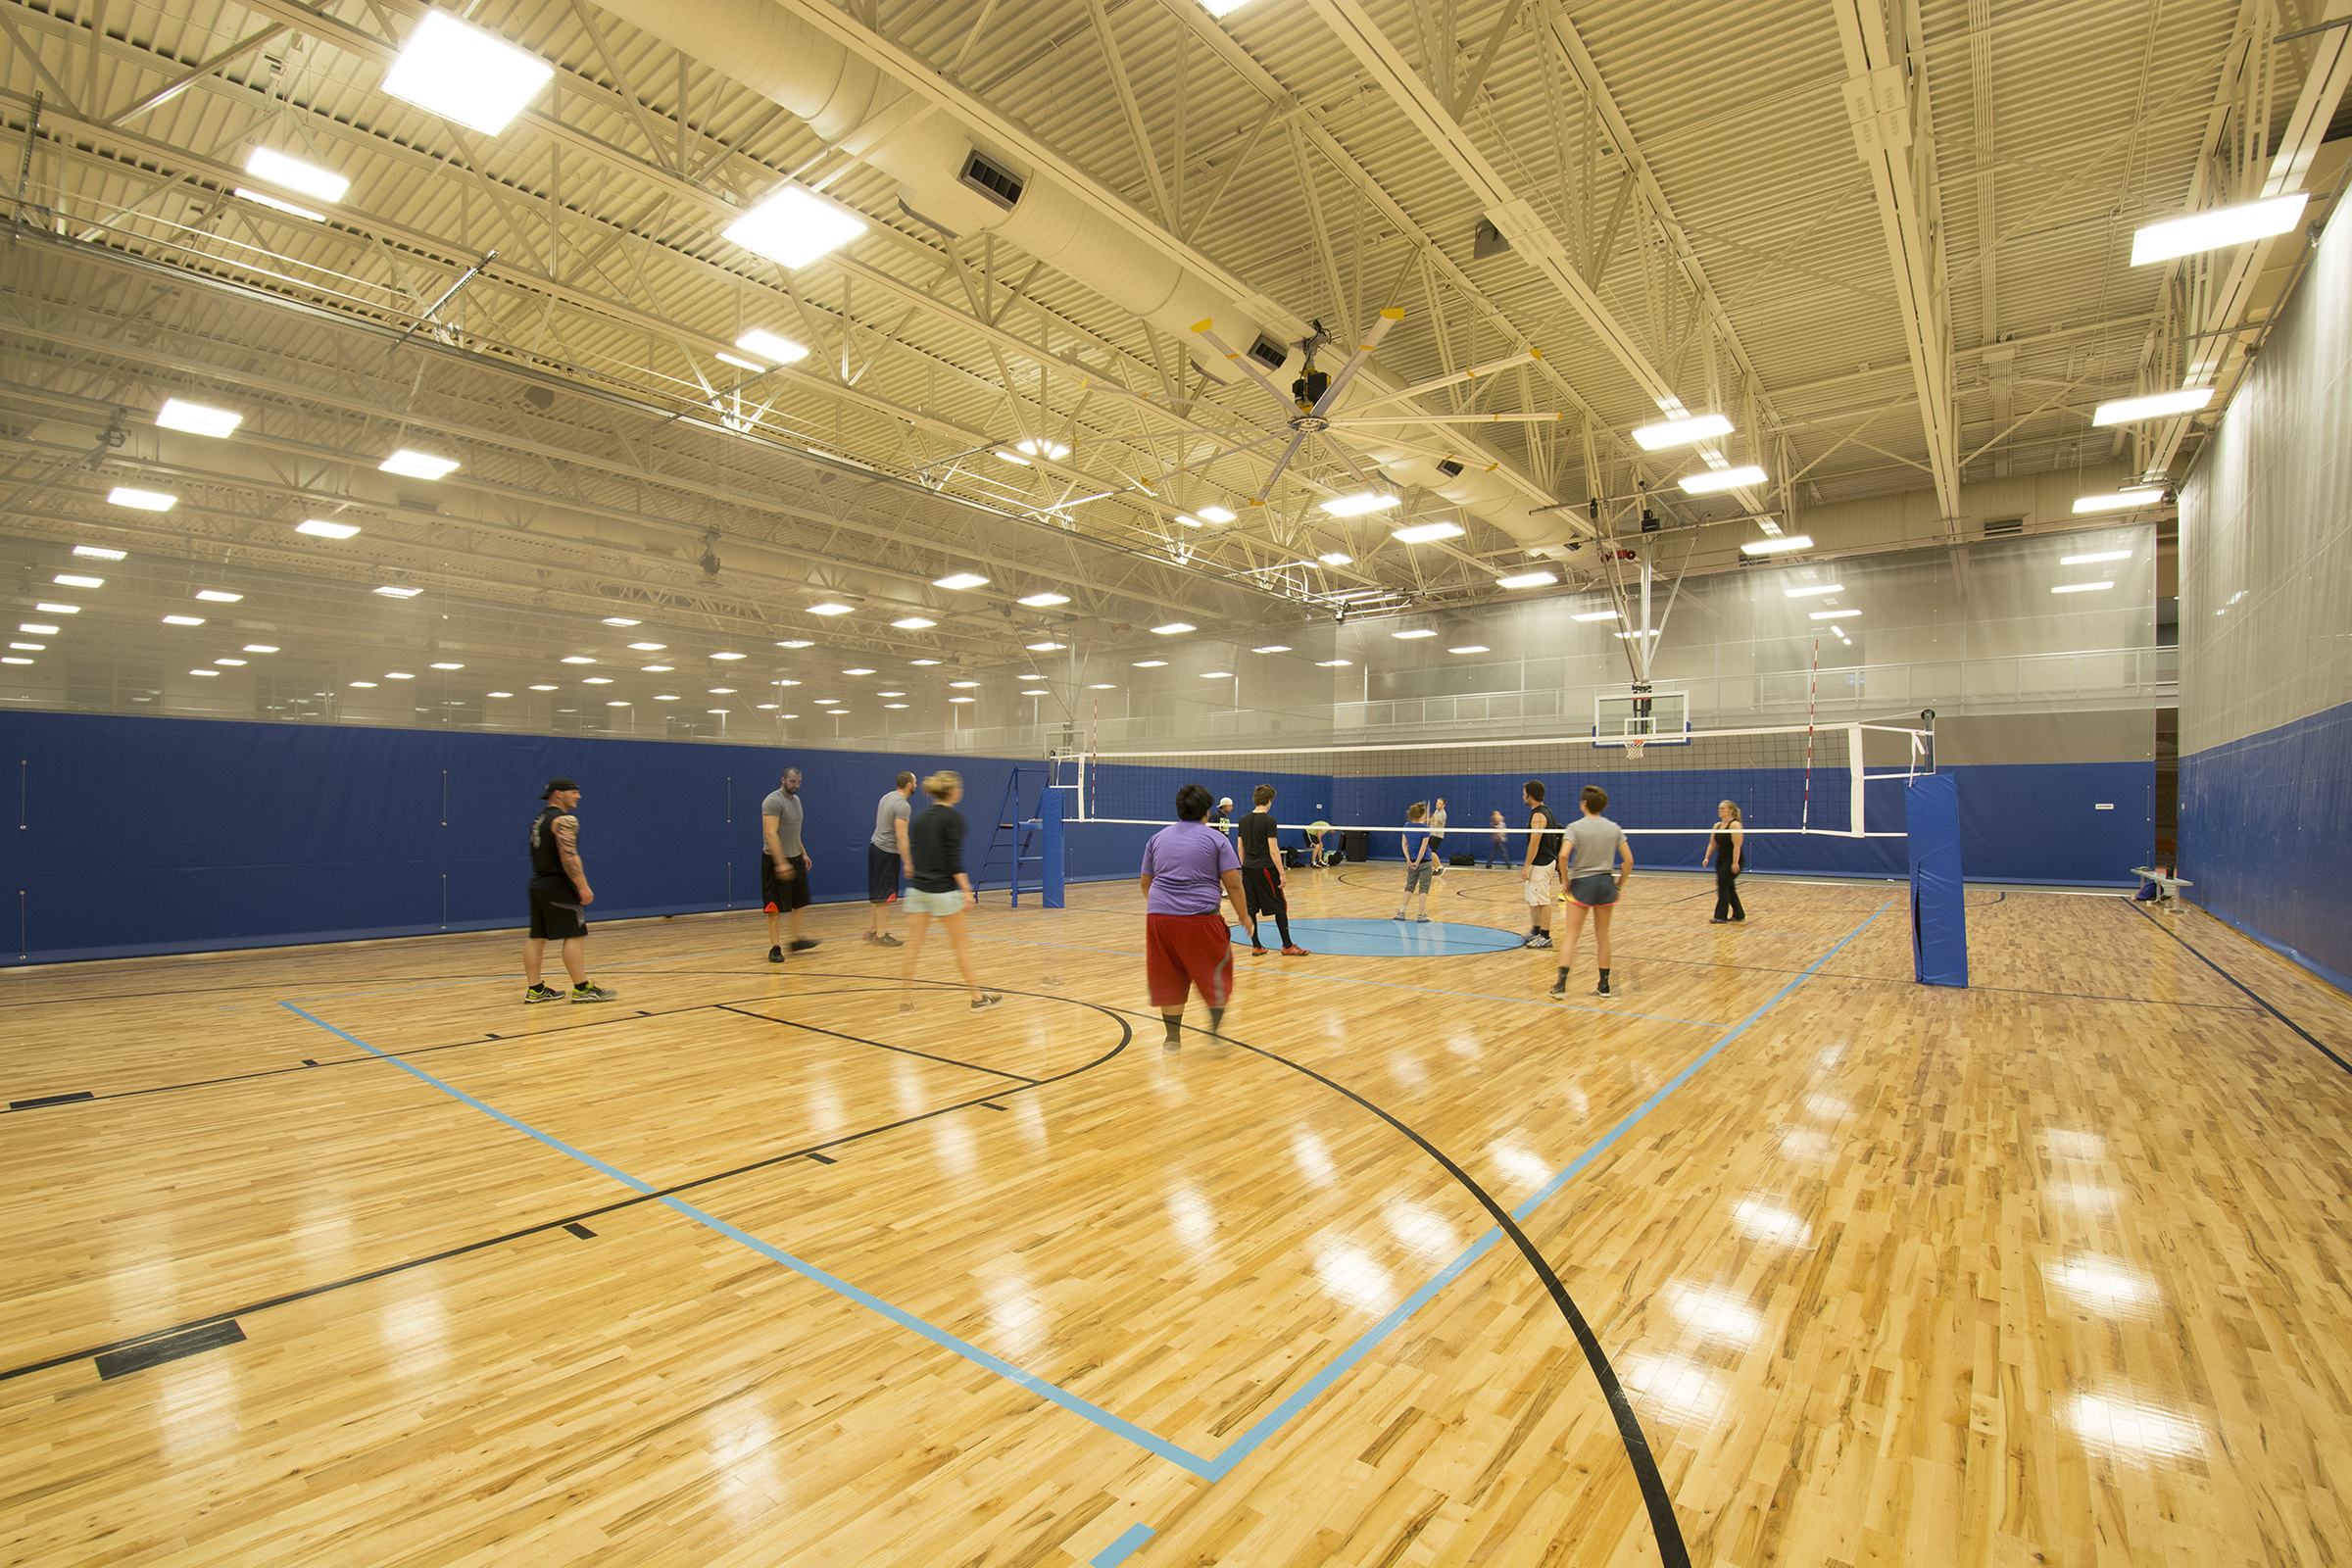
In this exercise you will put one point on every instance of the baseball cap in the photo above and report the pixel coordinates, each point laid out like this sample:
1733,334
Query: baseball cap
555,784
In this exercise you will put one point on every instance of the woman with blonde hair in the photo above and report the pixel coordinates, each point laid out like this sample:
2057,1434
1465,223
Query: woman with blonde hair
938,888
1727,847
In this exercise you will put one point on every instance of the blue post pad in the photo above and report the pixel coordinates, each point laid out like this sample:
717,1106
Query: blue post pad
1049,807
1938,903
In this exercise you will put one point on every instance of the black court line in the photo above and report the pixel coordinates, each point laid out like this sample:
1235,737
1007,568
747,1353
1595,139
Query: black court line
904,1050
567,1221
1897,980
2259,999
1663,1523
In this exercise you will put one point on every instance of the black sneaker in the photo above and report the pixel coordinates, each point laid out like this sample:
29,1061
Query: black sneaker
1602,990
802,944
543,993
988,1000
593,993
1559,990
886,940
776,955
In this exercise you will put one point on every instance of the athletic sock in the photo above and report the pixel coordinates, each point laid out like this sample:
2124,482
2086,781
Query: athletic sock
1564,973
1281,923
1175,1023
1216,1019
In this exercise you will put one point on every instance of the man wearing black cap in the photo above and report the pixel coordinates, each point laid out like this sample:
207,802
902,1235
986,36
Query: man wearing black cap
559,892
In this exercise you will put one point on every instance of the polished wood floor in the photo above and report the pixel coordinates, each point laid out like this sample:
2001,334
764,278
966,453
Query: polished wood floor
753,1268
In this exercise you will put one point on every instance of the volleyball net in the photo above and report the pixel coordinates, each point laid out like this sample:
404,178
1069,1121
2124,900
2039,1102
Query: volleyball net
1844,780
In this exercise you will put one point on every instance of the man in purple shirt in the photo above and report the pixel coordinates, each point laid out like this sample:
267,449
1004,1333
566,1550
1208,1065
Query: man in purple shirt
1187,868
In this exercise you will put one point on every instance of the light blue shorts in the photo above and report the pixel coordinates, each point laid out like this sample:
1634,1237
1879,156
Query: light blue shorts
948,903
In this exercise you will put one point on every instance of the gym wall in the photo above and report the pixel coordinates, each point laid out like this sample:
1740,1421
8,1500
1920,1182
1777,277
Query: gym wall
2266,635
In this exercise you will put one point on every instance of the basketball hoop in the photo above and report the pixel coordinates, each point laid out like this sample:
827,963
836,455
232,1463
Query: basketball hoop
1633,747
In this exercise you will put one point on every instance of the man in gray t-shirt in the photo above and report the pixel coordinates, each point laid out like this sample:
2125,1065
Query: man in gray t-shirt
783,865
885,853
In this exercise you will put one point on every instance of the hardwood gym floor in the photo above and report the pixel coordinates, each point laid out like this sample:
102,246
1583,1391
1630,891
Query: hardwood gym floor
750,1268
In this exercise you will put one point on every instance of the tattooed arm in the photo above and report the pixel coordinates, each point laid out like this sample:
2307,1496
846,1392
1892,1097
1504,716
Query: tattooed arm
568,850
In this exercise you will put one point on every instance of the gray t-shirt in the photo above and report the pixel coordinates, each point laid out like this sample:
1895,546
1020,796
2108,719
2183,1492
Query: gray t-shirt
786,810
1436,823
892,810
1593,844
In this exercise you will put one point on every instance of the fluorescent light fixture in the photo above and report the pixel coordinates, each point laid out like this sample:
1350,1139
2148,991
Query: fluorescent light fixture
1474,648
1150,663
449,667
2155,406
1012,457
235,662
2150,496
656,669
860,670
1272,648
417,465
1714,479
68,579
1041,601
1222,8
1817,591
2094,557
885,704
1047,648
192,671
822,702
263,198
398,674
295,174
1336,557
963,699
183,621
1355,506
391,592
1172,628
922,662
365,685
543,688
621,621
795,226
961,579
577,659
28,648
1682,432
617,702
2211,230
1596,614
961,685
828,608
877,694
596,680
1333,664
796,642
36,630
1423,533
1103,686
721,691
1190,521
770,346
914,624
649,647
261,648
47,609
1035,691
2081,587
12,659
1774,547
143,500
1036,447
1526,579
196,418
665,697
319,530
97,553
1213,515
218,596
464,74
742,364
499,694
1835,614
1626,636
1217,675
1408,636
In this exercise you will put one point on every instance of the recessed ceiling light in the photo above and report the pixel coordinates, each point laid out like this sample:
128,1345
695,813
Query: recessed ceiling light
196,418
67,580
577,659
2156,406
2121,500
1473,648
1336,557
1217,675
143,500
38,631
894,704
617,702
365,685
722,691
890,694
292,172
2094,557
97,553
1774,547
326,530
1047,648
1526,579
916,622
1173,627
499,694
596,680
770,346
1408,636
961,579
1355,506
543,688
1835,614
2219,226
859,671
823,702
827,608
47,609
2081,587
398,674
1715,479
1052,451
235,661
1041,601
464,74
1150,663
1213,515
183,621
261,648
1035,691
418,464
219,596
656,669
279,203
449,667
963,699
665,697
391,592
1816,593
1423,533
1682,432
794,226
1596,614
1333,664
963,683
1272,648
192,671
649,647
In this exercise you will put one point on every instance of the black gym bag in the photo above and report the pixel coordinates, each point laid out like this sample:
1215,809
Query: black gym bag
1463,858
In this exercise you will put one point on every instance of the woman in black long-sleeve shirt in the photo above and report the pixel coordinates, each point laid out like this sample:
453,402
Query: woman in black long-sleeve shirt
938,887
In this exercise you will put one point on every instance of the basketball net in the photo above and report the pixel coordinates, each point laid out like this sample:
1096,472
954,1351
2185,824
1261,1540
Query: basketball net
1632,748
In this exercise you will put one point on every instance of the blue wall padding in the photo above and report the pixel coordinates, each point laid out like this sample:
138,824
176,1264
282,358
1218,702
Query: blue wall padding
1939,898
2266,834
158,835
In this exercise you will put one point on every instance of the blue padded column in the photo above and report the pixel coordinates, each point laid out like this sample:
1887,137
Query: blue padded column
1048,809
1938,902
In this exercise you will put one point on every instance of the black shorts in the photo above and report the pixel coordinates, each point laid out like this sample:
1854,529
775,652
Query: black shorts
779,894
1262,886
881,874
555,913
1592,889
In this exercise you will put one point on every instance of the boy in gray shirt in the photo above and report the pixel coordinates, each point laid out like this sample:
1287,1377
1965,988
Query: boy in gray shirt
885,854
1594,844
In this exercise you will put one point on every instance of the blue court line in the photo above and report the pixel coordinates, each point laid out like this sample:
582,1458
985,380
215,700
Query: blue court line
1208,1469
1119,1550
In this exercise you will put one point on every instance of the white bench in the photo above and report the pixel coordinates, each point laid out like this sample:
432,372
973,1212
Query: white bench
2168,888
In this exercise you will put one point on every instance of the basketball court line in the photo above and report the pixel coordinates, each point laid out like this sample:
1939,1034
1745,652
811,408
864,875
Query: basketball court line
2307,1038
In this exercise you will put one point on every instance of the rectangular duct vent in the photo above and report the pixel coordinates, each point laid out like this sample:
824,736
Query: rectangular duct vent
2003,528
992,179
1268,353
